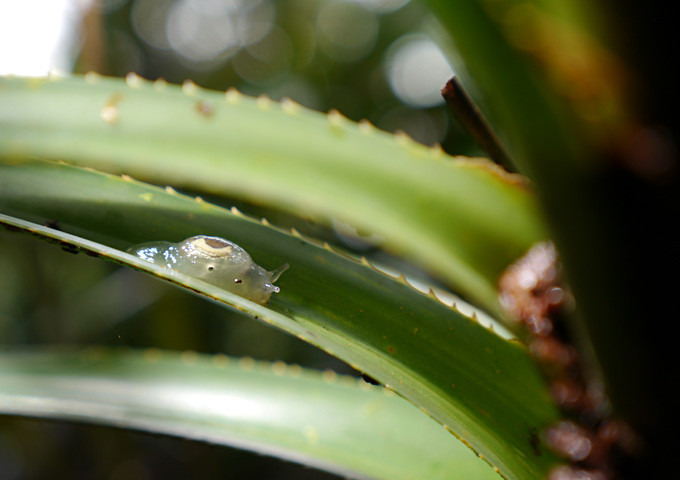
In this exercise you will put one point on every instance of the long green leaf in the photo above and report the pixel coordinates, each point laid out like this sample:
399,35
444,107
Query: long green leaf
459,218
335,423
480,386
563,99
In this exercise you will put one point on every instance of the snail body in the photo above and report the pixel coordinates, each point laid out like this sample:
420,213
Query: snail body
216,261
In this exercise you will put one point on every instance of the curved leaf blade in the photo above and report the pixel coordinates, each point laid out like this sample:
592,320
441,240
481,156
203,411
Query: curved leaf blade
482,387
338,424
459,218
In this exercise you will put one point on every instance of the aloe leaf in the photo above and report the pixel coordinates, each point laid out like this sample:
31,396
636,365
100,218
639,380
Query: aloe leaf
575,125
461,219
531,116
331,422
481,387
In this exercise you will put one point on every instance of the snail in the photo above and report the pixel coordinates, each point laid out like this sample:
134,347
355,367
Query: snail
216,261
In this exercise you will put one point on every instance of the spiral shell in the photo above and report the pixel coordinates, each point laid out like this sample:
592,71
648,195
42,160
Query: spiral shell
216,261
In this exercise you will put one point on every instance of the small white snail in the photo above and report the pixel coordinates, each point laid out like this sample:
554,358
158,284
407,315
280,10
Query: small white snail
216,261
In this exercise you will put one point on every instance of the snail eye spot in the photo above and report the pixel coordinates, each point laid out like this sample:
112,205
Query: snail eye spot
238,280
215,242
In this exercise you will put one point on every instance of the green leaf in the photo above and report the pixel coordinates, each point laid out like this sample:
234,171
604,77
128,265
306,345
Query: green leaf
572,120
482,387
461,219
534,120
339,424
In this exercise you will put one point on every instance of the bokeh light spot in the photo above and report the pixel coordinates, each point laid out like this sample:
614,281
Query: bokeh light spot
417,70
267,61
382,6
148,18
200,31
346,31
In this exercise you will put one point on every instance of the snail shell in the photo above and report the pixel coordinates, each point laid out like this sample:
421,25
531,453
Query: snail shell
216,261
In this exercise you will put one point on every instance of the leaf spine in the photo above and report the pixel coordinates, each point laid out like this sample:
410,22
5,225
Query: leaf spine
91,77
279,368
188,357
153,355
402,138
189,88
160,84
220,360
329,376
366,127
246,363
436,150
232,96
56,75
133,80
289,106
263,102
335,118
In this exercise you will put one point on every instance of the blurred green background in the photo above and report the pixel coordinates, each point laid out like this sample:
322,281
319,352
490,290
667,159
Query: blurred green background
369,59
